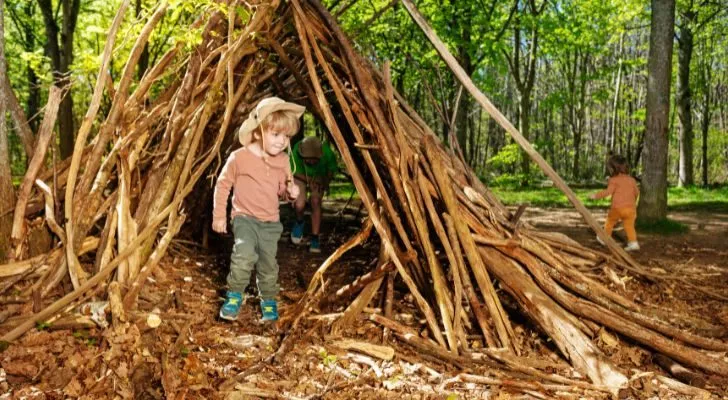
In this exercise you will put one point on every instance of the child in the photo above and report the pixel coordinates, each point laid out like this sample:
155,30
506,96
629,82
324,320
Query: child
259,174
624,191
314,164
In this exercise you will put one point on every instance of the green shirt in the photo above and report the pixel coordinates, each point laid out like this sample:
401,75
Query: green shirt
325,166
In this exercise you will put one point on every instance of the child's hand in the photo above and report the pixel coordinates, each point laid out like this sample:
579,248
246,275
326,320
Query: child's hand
292,190
219,226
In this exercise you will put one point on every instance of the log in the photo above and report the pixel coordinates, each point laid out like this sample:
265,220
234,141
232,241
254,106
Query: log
359,283
555,321
381,352
683,374
44,136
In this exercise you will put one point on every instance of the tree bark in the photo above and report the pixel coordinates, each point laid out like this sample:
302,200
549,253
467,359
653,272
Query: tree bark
7,192
705,124
61,55
653,200
144,58
611,134
525,79
684,98
27,37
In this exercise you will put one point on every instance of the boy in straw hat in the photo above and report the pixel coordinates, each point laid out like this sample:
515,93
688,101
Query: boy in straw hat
314,164
259,174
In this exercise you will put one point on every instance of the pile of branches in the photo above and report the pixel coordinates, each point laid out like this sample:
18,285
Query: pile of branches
443,233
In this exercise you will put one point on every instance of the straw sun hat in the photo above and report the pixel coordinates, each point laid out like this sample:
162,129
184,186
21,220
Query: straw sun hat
264,108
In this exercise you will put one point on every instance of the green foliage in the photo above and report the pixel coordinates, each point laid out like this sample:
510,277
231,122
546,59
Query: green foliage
610,36
84,336
42,325
507,157
329,360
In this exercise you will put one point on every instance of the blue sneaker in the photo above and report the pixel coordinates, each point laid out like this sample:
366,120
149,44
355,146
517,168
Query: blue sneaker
231,307
297,232
315,246
270,310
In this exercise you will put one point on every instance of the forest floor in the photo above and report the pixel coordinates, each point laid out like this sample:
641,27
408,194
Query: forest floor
193,354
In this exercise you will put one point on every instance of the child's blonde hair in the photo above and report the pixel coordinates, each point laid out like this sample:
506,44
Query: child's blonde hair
278,121
617,165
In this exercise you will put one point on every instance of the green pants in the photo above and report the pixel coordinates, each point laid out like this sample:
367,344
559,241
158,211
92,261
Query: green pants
256,244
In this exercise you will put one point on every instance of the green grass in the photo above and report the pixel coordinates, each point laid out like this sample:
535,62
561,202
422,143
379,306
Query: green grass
683,199
341,188
678,199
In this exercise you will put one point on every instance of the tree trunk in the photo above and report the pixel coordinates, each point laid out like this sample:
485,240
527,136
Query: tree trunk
705,127
144,58
61,56
524,125
653,201
7,192
523,71
464,58
32,103
610,137
684,56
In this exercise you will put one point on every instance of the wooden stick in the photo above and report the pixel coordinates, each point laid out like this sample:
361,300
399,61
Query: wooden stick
359,182
499,317
18,115
683,374
442,294
472,297
173,228
80,143
44,136
359,283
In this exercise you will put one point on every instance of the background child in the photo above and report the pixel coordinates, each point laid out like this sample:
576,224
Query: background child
624,191
314,164
259,174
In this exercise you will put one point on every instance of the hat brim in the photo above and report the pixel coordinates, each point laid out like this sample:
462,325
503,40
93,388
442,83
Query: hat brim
264,108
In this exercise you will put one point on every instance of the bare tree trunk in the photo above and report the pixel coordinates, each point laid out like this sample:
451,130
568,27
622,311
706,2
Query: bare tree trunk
61,55
144,58
615,104
705,127
653,201
706,77
7,192
684,98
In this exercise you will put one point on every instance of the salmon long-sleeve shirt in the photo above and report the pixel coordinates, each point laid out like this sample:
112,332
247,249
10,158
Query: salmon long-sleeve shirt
257,185
623,189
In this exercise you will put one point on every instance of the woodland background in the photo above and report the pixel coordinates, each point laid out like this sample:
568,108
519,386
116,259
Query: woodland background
571,75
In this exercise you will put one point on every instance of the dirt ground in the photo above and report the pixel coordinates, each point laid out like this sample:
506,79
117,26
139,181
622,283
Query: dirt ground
194,355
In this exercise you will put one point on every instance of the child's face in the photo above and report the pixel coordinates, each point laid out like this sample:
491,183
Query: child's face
274,142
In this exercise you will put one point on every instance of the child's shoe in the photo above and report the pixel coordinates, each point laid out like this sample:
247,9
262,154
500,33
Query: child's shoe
270,310
315,246
632,246
297,232
231,307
